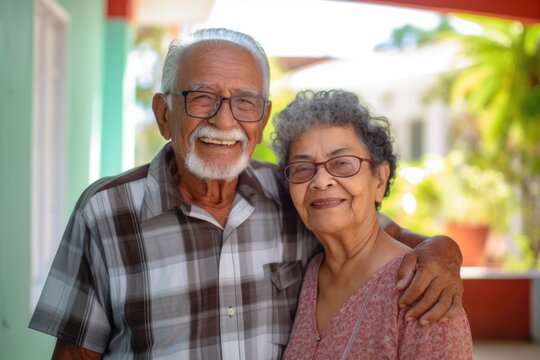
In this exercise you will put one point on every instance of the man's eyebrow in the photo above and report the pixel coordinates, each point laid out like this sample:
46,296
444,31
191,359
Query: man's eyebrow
204,86
199,86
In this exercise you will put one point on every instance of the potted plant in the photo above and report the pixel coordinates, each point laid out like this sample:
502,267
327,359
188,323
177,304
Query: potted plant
450,195
473,202
456,197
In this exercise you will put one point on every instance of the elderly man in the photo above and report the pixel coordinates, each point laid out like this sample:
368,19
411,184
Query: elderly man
200,253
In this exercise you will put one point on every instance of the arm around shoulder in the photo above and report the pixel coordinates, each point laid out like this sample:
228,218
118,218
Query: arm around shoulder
407,237
429,275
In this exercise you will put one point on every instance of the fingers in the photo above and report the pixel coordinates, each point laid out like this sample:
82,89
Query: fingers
437,311
434,292
416,287
406,270
441,301
455,307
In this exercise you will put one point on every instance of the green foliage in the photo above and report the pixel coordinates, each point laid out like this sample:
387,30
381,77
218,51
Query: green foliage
501,87
279,101
413,200
434,190
527,259
408,35
149,141
501,92
152,38
472,195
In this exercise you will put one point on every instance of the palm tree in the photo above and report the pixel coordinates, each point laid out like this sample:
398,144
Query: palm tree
501,88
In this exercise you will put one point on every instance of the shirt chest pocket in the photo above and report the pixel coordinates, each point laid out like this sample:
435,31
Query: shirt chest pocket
284,281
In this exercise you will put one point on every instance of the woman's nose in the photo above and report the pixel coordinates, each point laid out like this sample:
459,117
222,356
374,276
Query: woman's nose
322,179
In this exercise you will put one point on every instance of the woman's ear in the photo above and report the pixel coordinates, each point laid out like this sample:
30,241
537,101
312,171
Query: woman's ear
161,112
383,172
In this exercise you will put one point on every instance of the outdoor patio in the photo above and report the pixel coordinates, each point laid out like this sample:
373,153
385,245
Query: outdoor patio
506,350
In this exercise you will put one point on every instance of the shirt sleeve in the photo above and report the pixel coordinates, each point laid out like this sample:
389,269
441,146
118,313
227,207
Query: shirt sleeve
438,340
72,305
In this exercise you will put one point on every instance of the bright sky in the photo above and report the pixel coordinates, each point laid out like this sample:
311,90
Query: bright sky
341,29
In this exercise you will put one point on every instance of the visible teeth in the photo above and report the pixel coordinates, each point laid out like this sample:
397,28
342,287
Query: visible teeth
218,141
329,202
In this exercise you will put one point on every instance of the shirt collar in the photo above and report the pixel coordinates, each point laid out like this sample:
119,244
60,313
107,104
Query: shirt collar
161,193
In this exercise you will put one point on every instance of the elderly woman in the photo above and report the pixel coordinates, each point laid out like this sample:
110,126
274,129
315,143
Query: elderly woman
339,163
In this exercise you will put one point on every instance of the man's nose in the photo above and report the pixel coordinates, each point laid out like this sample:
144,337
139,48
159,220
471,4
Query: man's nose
223,118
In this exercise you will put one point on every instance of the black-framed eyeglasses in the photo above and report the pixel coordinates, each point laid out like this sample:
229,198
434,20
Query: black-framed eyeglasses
205,105
340,166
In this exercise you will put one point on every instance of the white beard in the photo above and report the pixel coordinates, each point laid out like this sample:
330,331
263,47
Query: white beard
208,171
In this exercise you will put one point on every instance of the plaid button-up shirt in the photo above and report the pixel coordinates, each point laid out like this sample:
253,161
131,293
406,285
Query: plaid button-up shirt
142,274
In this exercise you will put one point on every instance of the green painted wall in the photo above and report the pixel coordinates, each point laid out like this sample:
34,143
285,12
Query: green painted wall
118,42
85,69
85,60
16,27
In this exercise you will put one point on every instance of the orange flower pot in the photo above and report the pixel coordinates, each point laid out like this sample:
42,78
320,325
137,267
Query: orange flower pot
472,241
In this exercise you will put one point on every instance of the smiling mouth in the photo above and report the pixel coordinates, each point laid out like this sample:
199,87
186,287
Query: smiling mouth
323,204
207,140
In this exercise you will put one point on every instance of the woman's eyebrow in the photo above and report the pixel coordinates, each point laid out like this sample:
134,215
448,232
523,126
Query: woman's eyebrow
300,157
335,152
339,151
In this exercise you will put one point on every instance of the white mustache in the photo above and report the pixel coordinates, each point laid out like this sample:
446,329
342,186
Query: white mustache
200,168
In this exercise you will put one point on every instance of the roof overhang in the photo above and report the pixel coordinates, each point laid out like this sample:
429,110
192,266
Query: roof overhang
526,11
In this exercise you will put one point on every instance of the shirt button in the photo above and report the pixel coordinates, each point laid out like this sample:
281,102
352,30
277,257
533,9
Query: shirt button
230,311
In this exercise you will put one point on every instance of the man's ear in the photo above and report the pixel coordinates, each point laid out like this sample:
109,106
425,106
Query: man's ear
383,172
264,121
161,112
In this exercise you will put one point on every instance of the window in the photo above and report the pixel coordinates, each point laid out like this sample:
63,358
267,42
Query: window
48,137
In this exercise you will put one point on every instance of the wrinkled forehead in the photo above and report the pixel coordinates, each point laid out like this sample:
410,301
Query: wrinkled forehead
326,140
203,48
220,60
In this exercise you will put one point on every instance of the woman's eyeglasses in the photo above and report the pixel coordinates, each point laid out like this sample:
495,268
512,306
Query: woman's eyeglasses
340,166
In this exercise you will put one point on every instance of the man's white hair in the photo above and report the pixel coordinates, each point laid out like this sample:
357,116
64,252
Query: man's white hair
180,45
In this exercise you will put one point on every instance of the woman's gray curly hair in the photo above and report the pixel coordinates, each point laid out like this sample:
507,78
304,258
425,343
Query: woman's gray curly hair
334,108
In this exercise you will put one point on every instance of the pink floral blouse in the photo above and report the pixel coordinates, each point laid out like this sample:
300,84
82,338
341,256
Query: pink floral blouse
370,325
